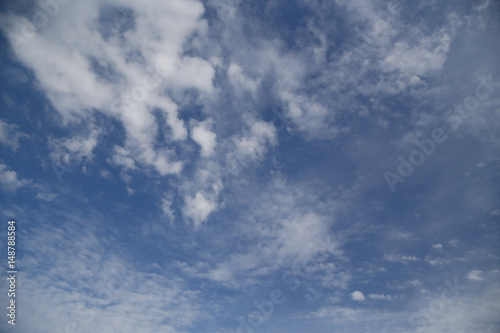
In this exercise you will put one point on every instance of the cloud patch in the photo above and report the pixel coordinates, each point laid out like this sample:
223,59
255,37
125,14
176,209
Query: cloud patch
358,296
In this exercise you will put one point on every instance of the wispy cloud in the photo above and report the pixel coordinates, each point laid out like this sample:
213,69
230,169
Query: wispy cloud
10,135
9,180
400,258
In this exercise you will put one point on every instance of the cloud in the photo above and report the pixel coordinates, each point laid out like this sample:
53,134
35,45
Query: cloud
437,261
437,246
9,180
46,196
252,145
357,296
213,173
380,297
166,207
202,135
220,274
377,40
285,226
121,157
473,311
289,223
339,313
10,135
400,258
475,275
347,319
87,289
72,152
427,56
198,208
126,70
238,79
483,6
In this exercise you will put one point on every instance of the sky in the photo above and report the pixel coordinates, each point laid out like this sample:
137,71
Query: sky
191,166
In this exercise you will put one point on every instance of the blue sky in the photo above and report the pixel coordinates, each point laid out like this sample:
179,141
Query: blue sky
252,166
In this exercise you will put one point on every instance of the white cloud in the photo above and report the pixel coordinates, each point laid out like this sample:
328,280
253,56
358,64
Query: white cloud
72,152
303,229
428,55
130,191
378,41
475,275
131,87
220,274
10,135
400,258
166,206
483,6
213,173
193,73
339,314
46,196
437,246
121,157
308,115
473,311
380,297
92,291
252,145
238,79
437,261
357,296
284,227
202,135
198,208
9,180
288,222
